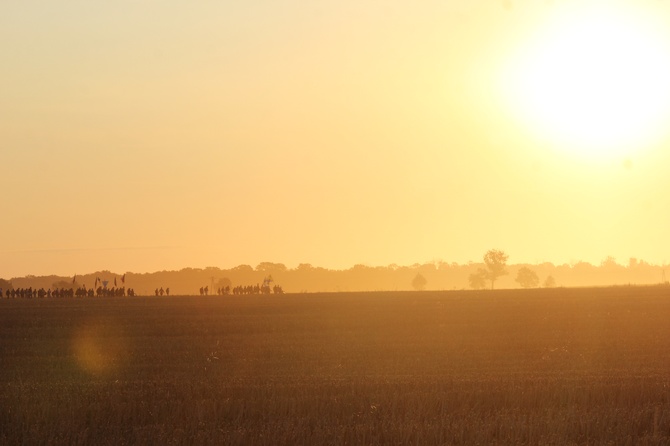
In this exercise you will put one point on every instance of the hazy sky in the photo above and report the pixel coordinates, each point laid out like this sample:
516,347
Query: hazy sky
150,135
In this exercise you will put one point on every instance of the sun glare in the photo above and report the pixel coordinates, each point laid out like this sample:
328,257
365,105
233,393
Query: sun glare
595,82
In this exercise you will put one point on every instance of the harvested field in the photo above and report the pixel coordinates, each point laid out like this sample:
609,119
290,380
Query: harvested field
557,366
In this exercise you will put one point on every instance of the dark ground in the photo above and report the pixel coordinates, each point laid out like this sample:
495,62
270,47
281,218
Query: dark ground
559,366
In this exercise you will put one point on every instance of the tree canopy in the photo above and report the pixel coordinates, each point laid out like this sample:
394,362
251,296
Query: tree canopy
527,278
419,282
496,264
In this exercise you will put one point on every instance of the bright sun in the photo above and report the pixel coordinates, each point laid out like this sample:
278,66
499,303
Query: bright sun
595,82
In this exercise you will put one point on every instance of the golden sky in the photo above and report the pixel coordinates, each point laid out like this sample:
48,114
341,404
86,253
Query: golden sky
150,135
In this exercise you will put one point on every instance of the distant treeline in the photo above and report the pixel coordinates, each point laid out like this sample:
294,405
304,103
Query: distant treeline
308,278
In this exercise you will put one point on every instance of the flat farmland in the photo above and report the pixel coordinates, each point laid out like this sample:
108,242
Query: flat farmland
555,366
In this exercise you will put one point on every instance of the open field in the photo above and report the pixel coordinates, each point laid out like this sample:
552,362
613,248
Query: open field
560,366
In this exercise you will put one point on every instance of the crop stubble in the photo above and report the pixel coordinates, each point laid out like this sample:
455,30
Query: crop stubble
560,366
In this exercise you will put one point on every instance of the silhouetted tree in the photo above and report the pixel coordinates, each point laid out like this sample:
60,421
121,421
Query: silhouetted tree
5,284
478,280
527,278
243,269
223,282
419,282
549,282
496,262
65,284
609,262
269,267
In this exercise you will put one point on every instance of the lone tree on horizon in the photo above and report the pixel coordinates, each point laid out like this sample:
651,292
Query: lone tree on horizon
496,263
419,282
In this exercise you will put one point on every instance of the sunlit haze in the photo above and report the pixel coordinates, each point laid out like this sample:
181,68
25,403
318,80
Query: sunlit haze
158,135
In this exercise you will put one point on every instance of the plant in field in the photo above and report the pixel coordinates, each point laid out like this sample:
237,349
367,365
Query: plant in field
527,278
214,355
419,282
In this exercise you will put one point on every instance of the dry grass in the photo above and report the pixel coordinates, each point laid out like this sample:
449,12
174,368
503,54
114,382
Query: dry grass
510,367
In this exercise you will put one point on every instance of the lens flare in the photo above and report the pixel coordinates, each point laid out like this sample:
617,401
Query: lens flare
98,348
